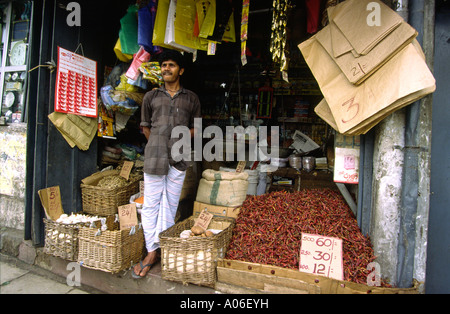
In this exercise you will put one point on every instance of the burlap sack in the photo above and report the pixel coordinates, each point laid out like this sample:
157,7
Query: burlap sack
222,188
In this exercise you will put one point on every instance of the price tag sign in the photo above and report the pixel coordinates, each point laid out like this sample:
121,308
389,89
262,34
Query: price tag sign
51,201
204,219
240,167
127,216
126,169
321,255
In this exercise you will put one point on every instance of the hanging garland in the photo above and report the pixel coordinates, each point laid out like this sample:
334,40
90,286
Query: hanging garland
278,42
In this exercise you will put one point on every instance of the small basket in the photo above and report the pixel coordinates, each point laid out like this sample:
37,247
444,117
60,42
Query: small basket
193,260
103,201
110,250
61,239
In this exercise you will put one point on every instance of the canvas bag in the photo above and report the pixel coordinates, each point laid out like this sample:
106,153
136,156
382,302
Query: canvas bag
404,79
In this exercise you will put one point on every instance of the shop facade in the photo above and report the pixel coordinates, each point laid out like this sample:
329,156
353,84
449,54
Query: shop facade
400,196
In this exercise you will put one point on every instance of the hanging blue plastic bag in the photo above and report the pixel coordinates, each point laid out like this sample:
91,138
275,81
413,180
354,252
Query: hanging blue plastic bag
146,24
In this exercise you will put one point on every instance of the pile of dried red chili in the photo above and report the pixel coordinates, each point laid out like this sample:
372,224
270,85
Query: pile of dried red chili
268,230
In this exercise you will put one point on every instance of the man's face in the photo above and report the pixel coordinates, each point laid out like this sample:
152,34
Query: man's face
170,71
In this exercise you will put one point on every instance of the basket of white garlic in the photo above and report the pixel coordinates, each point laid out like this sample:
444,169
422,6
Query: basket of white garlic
189,255
61,236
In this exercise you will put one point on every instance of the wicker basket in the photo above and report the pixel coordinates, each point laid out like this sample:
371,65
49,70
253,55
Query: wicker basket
193,260
61,239
103,201
110,250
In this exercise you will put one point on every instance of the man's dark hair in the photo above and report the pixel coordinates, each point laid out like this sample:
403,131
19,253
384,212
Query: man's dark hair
173,55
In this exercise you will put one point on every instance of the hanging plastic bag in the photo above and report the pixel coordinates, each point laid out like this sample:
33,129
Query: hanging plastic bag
124,86
152,71
146,23
128,31
230,31
139,82
159,31
223,13
184,24
119,54
140,57
170,29
117,102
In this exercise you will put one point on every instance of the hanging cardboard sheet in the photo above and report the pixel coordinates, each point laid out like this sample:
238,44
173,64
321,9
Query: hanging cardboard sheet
365,23
360,67
380,46
402,80
366,71
77,130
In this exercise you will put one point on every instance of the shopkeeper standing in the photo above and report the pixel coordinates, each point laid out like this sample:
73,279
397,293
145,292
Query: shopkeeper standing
162,109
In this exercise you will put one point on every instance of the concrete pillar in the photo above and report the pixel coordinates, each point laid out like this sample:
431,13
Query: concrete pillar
401,153
386,192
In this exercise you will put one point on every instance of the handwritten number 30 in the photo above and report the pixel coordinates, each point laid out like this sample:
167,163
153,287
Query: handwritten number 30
351,104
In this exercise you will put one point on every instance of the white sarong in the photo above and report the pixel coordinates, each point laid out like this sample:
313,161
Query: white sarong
161,198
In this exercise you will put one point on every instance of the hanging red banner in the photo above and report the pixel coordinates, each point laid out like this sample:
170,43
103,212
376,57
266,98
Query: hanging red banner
76,84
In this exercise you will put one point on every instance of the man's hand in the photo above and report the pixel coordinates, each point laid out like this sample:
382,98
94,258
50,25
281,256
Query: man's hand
146,131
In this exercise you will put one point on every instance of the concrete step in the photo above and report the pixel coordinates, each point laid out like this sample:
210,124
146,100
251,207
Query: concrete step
13,245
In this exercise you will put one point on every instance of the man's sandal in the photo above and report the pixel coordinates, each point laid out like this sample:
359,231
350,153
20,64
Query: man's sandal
137,276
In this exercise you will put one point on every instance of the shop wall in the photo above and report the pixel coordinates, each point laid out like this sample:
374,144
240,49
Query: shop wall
12,179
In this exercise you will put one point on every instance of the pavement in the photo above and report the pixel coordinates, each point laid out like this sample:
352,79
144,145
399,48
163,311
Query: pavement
17,277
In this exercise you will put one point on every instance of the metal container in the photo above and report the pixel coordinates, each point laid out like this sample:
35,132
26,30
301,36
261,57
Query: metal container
295,162
279,162
309,163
